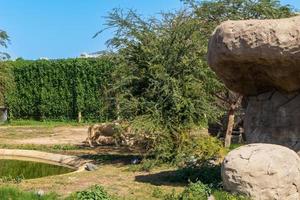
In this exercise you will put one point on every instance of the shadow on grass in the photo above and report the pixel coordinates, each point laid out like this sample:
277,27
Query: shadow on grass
208,174
110,155
105,159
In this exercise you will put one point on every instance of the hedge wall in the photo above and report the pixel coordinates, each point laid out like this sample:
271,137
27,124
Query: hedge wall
59,89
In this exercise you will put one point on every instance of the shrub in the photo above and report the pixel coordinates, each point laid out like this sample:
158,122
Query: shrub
195,191
196,151
222,195
96,192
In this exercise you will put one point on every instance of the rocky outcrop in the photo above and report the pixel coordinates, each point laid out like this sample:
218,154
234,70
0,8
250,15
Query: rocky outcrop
260,59
263,172
255,56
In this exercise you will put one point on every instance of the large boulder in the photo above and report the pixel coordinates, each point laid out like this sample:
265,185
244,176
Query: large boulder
254,56
263,172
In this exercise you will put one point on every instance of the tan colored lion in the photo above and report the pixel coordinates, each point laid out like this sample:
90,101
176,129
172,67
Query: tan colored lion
108,132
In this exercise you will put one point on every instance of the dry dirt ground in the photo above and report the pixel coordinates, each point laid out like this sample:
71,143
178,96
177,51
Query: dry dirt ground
114,164
43,135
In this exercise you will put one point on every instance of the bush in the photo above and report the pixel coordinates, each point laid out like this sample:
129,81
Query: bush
195,191
222,195
96,193
196,151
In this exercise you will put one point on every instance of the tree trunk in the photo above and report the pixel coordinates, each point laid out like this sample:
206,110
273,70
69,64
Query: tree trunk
230,120
229,129
118,107
79,117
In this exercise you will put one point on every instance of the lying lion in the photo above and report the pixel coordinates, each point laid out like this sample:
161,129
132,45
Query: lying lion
107,132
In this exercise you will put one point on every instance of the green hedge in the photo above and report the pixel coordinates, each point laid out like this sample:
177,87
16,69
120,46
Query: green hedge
59,89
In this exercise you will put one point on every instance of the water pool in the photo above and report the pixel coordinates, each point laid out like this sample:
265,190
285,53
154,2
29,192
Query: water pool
29,169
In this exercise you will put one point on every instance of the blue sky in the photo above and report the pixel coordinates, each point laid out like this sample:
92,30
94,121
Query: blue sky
64,28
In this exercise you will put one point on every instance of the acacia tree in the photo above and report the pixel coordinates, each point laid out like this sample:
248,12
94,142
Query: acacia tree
161,80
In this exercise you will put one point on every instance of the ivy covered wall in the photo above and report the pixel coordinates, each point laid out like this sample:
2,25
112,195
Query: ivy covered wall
59,89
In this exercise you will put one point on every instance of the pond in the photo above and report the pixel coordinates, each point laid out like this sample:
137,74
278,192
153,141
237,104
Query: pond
28,169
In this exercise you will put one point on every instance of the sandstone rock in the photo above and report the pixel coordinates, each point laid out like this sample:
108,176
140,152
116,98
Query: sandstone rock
254,56
263,172
273,117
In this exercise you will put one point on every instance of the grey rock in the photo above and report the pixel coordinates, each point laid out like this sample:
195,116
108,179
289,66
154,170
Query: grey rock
90,167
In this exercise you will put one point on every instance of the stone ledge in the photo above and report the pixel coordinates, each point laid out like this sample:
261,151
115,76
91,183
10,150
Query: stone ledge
73,162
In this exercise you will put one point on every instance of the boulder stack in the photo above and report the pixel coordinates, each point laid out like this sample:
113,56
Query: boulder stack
260,59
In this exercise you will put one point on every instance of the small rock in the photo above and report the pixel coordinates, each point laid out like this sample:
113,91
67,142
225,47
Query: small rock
90,167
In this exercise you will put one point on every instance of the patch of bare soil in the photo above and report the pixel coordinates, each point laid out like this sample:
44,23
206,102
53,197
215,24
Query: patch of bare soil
57,135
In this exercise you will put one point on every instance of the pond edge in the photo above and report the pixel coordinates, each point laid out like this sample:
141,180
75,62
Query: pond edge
73,162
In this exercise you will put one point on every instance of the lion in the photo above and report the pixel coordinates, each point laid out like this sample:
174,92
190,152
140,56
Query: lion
107,132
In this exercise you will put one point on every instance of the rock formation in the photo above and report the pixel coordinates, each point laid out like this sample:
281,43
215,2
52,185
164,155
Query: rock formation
261,60
263,172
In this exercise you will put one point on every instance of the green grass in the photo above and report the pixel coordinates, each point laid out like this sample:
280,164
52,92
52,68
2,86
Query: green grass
46,123
9,193
93,193
39,147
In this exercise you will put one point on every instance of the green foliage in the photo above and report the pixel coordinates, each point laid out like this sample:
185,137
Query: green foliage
161,79
194,191
197,191
222,195
96,193
59,89
198,150
6,82
9,193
